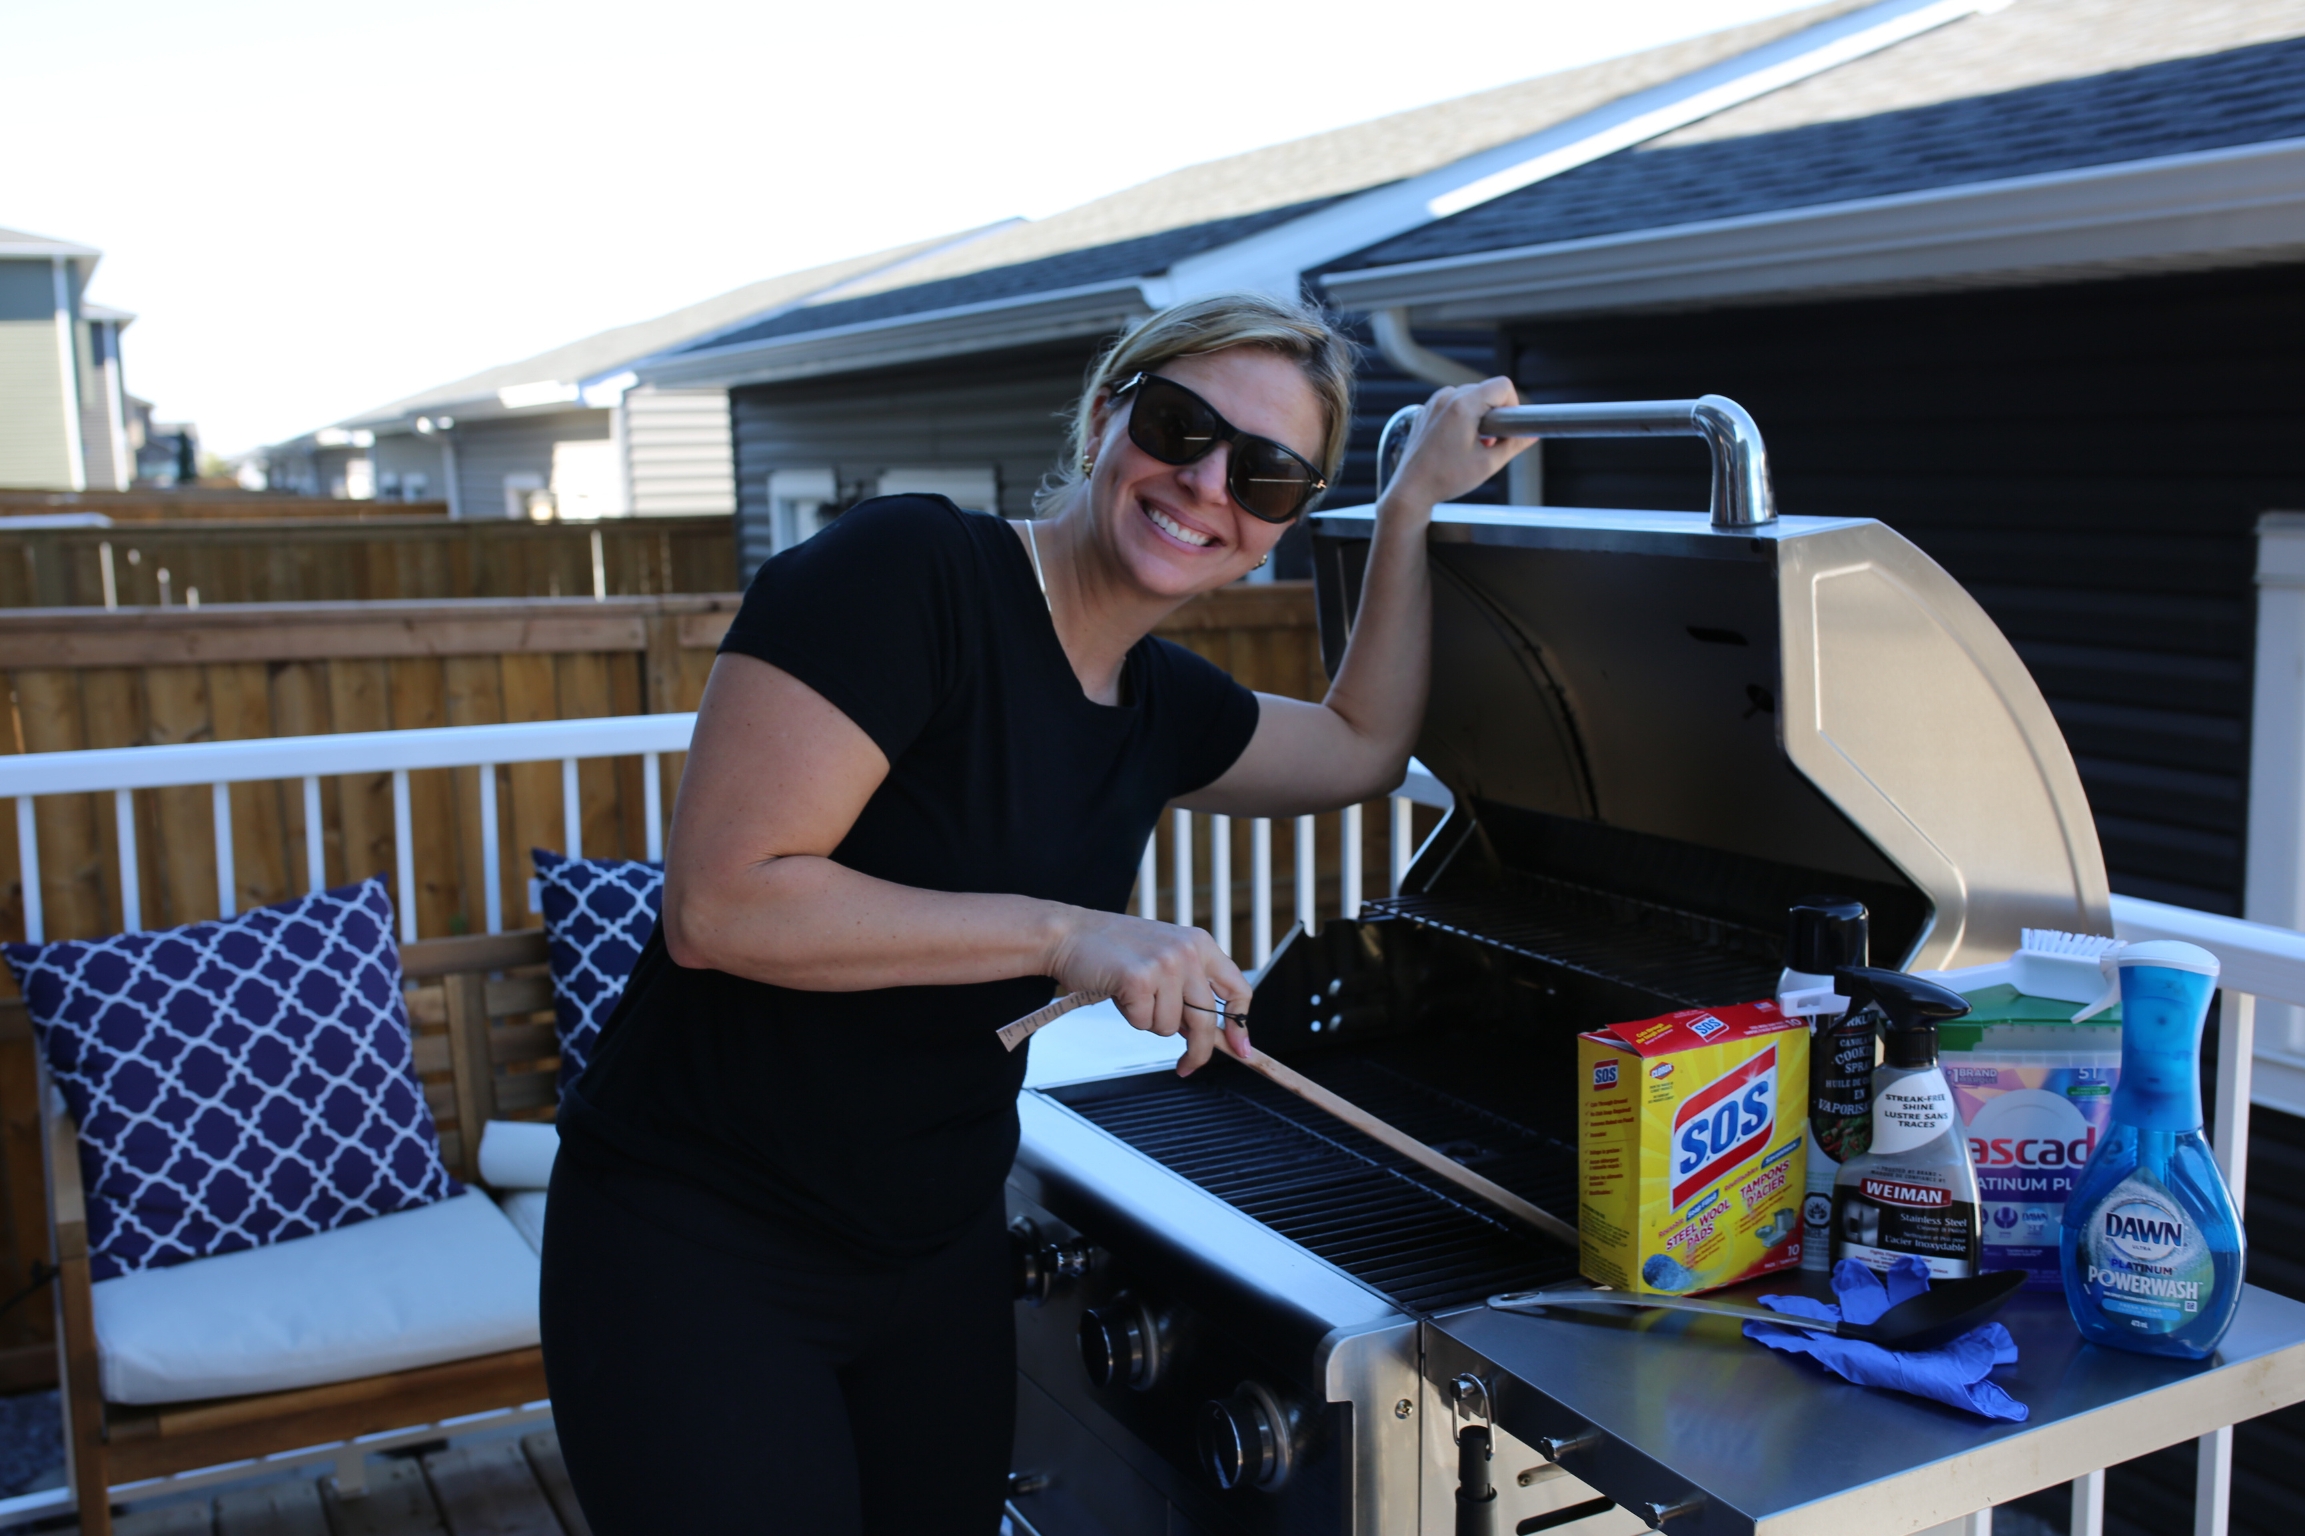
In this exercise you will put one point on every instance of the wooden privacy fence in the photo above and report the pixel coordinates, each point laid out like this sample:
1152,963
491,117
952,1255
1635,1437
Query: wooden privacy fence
158,506
80,678
136,677
338,559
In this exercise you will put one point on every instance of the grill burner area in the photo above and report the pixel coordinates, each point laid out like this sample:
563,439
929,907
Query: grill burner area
1352,1201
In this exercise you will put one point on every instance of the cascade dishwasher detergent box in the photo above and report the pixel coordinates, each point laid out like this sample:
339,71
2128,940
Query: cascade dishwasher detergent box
2035,1094
1689,1150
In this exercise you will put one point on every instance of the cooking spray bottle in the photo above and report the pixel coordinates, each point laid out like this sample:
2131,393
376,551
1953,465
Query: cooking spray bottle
2152,1250
1913,1191
1824,934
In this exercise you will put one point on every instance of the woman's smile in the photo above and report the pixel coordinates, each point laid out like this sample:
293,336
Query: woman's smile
1176,529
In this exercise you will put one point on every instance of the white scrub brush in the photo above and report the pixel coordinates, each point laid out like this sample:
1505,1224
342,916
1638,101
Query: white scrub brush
2052,941
2064,966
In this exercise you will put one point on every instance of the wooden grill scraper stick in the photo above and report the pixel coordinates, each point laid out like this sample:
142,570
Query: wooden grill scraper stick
1015,1034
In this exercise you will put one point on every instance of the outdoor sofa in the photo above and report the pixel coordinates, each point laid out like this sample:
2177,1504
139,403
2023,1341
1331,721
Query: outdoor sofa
391,1324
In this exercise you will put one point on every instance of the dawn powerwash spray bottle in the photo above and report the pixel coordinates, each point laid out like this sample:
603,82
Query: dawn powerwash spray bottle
2152,1249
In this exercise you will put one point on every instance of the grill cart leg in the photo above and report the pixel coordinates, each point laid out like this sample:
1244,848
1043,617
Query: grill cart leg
2213,1486
2089,1505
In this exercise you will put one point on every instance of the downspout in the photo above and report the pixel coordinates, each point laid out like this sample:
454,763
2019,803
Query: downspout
123,473
448,473
1525,476
68,361
1400,348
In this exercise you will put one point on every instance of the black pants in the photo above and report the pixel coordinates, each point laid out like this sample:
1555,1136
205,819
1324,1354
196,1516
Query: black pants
712,1372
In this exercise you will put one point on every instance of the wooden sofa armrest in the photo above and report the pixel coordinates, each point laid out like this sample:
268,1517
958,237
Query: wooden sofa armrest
60,1153
76,1363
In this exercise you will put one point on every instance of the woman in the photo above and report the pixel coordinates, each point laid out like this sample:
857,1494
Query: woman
776,1276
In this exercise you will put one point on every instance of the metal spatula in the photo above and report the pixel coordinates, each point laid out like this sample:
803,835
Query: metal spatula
1948,1309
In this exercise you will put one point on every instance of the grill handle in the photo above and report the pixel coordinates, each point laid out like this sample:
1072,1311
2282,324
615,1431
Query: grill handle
1742,494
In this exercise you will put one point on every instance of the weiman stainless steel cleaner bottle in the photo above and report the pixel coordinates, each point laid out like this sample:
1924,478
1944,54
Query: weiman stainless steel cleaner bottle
1914,1190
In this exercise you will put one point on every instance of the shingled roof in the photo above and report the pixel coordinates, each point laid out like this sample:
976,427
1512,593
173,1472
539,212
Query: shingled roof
2247,95
1140,257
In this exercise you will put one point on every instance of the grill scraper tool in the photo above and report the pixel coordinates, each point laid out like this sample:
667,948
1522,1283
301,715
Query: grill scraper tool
1948,1309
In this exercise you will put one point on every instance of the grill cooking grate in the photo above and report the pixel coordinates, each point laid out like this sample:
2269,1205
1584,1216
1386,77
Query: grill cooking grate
1694,961
1353,1201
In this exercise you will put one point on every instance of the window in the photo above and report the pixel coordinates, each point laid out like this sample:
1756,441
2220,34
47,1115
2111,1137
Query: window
526,498
800,501
972,489
586,479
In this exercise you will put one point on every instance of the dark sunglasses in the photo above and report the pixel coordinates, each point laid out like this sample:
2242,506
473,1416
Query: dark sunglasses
1176,426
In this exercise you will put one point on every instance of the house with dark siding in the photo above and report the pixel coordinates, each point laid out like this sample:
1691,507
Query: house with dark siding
2031,290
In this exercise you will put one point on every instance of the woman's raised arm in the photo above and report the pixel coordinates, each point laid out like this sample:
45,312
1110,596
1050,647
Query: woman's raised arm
776,776
1354,745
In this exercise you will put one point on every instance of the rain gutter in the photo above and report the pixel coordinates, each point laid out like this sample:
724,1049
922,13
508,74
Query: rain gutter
2220,207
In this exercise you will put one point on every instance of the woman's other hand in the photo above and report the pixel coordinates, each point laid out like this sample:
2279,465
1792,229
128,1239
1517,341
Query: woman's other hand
1446,456
1161,977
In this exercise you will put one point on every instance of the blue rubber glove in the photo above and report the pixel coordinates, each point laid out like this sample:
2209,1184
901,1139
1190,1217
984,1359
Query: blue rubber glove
1955,1373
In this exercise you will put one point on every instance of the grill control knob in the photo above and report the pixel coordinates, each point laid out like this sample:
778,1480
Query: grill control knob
1123,1343
1246,1439
1043,1269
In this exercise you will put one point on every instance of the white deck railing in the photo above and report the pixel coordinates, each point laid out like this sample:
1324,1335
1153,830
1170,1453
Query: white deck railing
2259,961
307,760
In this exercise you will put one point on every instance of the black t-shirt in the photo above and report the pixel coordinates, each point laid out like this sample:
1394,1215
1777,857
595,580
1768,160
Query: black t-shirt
887,1119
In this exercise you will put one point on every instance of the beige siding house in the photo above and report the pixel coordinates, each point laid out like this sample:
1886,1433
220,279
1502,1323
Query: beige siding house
62,414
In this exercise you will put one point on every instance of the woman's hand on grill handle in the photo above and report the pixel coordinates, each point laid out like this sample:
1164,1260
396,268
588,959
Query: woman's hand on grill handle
1446,456
1165,980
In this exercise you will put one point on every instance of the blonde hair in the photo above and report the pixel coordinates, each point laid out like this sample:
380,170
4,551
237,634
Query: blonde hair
1216,323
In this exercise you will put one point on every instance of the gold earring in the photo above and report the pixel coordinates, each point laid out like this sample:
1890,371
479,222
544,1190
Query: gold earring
1087,465
1261,564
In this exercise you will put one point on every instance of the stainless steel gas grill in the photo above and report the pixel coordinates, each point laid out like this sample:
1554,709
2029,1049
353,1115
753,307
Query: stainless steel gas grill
1660,730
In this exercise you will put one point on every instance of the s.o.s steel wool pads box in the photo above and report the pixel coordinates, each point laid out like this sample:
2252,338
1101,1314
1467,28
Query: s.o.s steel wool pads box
1689,1152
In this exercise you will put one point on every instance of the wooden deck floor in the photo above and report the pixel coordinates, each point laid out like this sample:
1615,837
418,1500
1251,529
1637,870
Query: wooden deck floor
496,1488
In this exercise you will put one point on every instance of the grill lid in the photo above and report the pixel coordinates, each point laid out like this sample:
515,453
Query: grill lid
1691,702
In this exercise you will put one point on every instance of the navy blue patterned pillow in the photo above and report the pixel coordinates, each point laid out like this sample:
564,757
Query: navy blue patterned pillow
239,1082
597,917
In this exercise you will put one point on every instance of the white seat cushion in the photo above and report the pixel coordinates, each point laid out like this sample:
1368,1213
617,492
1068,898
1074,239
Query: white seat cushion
518,1154
525,1209
443,1282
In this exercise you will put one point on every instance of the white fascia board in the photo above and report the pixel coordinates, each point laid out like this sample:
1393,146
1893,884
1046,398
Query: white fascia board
1272,260
606,390
488,407
1090,310
521,397
44,249
2210,207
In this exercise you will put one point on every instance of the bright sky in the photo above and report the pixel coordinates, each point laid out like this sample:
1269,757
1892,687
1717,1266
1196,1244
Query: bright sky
315,207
